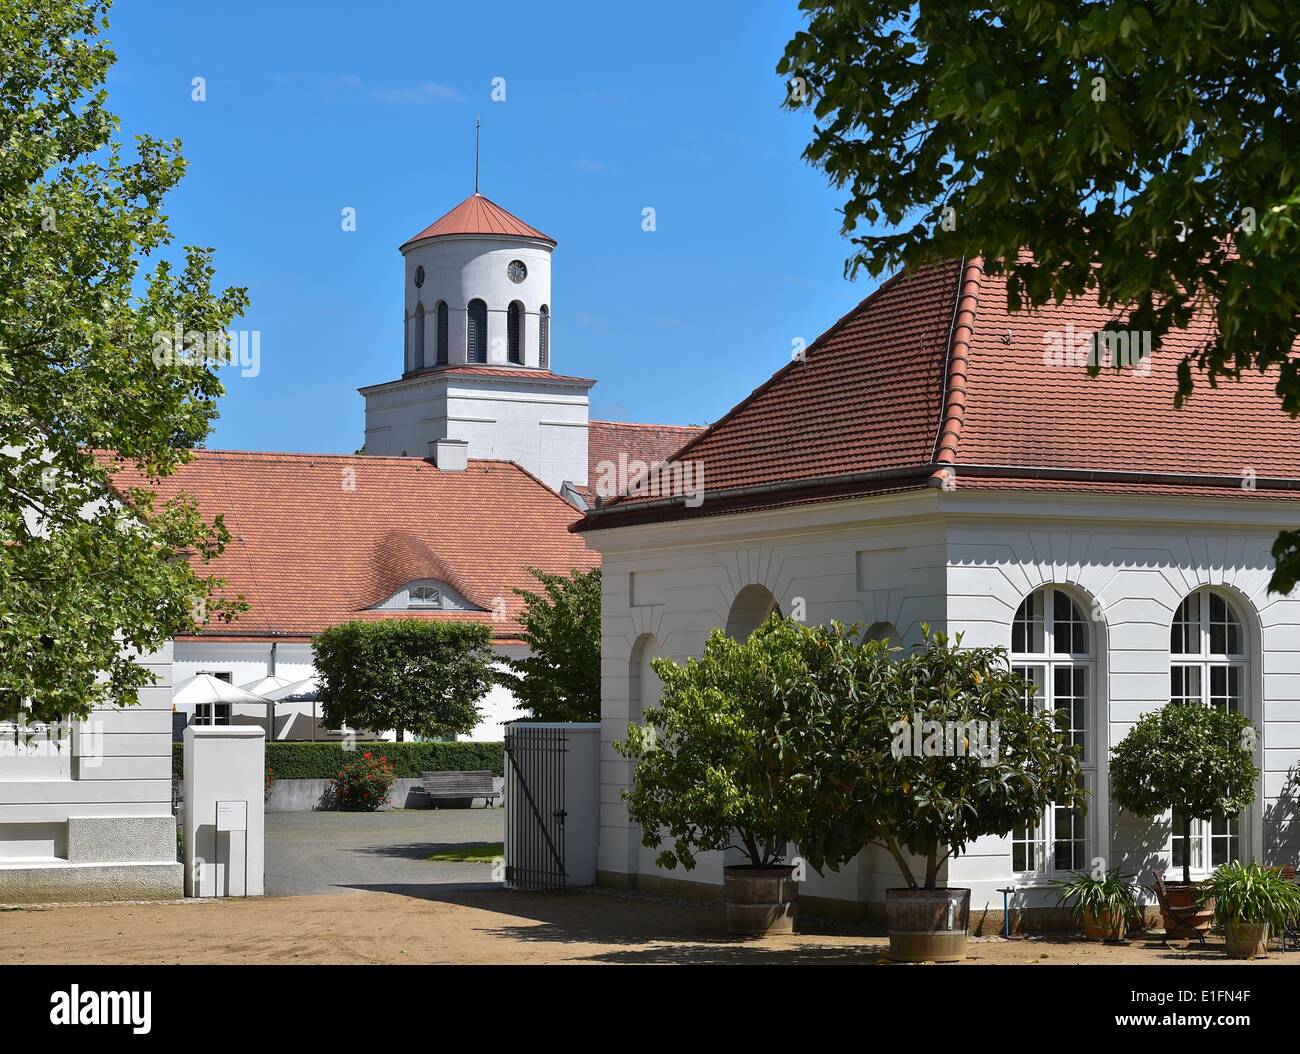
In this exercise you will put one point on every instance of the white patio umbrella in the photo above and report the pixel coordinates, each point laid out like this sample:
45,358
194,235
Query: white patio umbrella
205,690
305,691
264,686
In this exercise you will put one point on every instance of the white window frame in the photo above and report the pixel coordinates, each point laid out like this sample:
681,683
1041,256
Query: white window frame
1039,663
413,602
1205,663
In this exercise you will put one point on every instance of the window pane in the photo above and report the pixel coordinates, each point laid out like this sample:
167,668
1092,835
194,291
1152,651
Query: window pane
1035,678
1069,630
1070,695
1185,633
1225,687
1027,630
1225,630
1185,684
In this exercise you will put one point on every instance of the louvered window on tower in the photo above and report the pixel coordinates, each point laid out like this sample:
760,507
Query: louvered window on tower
442,332
477,337
514,333
544,339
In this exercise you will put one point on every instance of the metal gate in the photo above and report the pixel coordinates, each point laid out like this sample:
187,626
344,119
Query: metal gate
535,812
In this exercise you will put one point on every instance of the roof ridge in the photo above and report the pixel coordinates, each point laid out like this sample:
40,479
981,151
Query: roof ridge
953,411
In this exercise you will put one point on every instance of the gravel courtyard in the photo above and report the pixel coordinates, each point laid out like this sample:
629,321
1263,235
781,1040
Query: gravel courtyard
355,888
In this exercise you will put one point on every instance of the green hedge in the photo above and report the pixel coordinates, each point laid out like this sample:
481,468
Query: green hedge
320,761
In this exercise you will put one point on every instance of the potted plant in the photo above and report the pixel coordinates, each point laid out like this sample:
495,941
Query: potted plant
1105,903
926,754
713,770
1249,899
1196,761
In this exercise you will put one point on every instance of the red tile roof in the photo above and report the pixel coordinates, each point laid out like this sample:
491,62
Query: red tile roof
933,371
647,443
479,215
317,539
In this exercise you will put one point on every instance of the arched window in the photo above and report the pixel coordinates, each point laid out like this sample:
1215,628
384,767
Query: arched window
476,337
515,333
1051,648
415,354
1207,667
441,336
544,338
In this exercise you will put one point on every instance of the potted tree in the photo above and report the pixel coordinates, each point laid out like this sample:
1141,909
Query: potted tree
926,755
1105,903
1196,761
1247,900
713,766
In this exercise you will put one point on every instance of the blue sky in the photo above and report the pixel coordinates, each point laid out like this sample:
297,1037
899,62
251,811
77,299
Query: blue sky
314,107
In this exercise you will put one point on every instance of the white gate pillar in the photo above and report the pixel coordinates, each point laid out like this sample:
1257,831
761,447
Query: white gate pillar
225,773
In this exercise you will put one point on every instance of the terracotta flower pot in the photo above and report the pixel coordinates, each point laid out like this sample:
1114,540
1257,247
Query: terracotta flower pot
760,901
1184,895
927,925
1247,940
1108,926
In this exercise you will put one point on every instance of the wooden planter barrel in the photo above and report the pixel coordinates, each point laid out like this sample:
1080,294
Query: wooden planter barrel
1182,895
1108,926
927,925
760,900
1247,940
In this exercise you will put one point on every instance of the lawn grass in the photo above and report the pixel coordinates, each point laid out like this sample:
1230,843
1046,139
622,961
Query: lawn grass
471,853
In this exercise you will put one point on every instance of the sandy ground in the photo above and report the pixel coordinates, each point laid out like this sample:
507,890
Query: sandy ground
455,924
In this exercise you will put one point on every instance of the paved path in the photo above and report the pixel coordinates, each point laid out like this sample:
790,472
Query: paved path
334,852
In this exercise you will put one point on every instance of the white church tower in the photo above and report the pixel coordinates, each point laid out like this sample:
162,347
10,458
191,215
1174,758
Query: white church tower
477,358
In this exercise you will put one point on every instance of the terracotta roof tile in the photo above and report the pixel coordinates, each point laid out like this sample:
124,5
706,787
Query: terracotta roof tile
318,539
479,215
933,370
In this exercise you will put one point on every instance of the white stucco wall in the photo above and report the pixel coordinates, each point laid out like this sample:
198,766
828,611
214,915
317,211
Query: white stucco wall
963,562
117,764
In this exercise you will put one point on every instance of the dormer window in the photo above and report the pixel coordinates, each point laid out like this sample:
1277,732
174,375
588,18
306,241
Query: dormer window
424,597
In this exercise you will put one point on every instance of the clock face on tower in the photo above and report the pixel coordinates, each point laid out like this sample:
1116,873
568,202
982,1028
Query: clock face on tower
516,271
419,276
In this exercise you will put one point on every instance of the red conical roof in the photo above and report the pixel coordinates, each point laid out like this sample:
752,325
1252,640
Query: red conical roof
478,215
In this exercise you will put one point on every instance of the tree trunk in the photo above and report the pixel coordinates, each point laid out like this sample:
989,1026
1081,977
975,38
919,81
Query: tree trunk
1187,849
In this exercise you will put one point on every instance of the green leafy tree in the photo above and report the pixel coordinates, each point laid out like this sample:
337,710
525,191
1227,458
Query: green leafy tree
560,678
411,675
935,750
1198,761
713,765
80,319
1144,153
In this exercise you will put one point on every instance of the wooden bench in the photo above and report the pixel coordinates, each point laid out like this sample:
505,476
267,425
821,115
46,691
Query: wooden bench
444,786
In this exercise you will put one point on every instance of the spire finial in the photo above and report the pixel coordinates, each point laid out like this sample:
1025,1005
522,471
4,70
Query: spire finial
477,122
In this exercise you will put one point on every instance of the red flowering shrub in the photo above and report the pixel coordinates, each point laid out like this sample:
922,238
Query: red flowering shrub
362,784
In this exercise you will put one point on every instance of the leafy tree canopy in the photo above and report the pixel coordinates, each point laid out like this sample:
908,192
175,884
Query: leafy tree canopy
1198,761
560,678
412,675
83,580
1146,153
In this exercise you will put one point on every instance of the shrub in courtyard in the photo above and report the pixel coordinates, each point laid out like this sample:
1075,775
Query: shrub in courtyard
363,783
714,768
938,750
1197,761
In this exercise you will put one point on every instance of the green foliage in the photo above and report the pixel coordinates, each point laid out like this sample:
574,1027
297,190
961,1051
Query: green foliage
411,675
711,756
1251,893
1196,760
1143,152
793,736
1110,893
80,578
363,781
560,678
320,761
987,763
